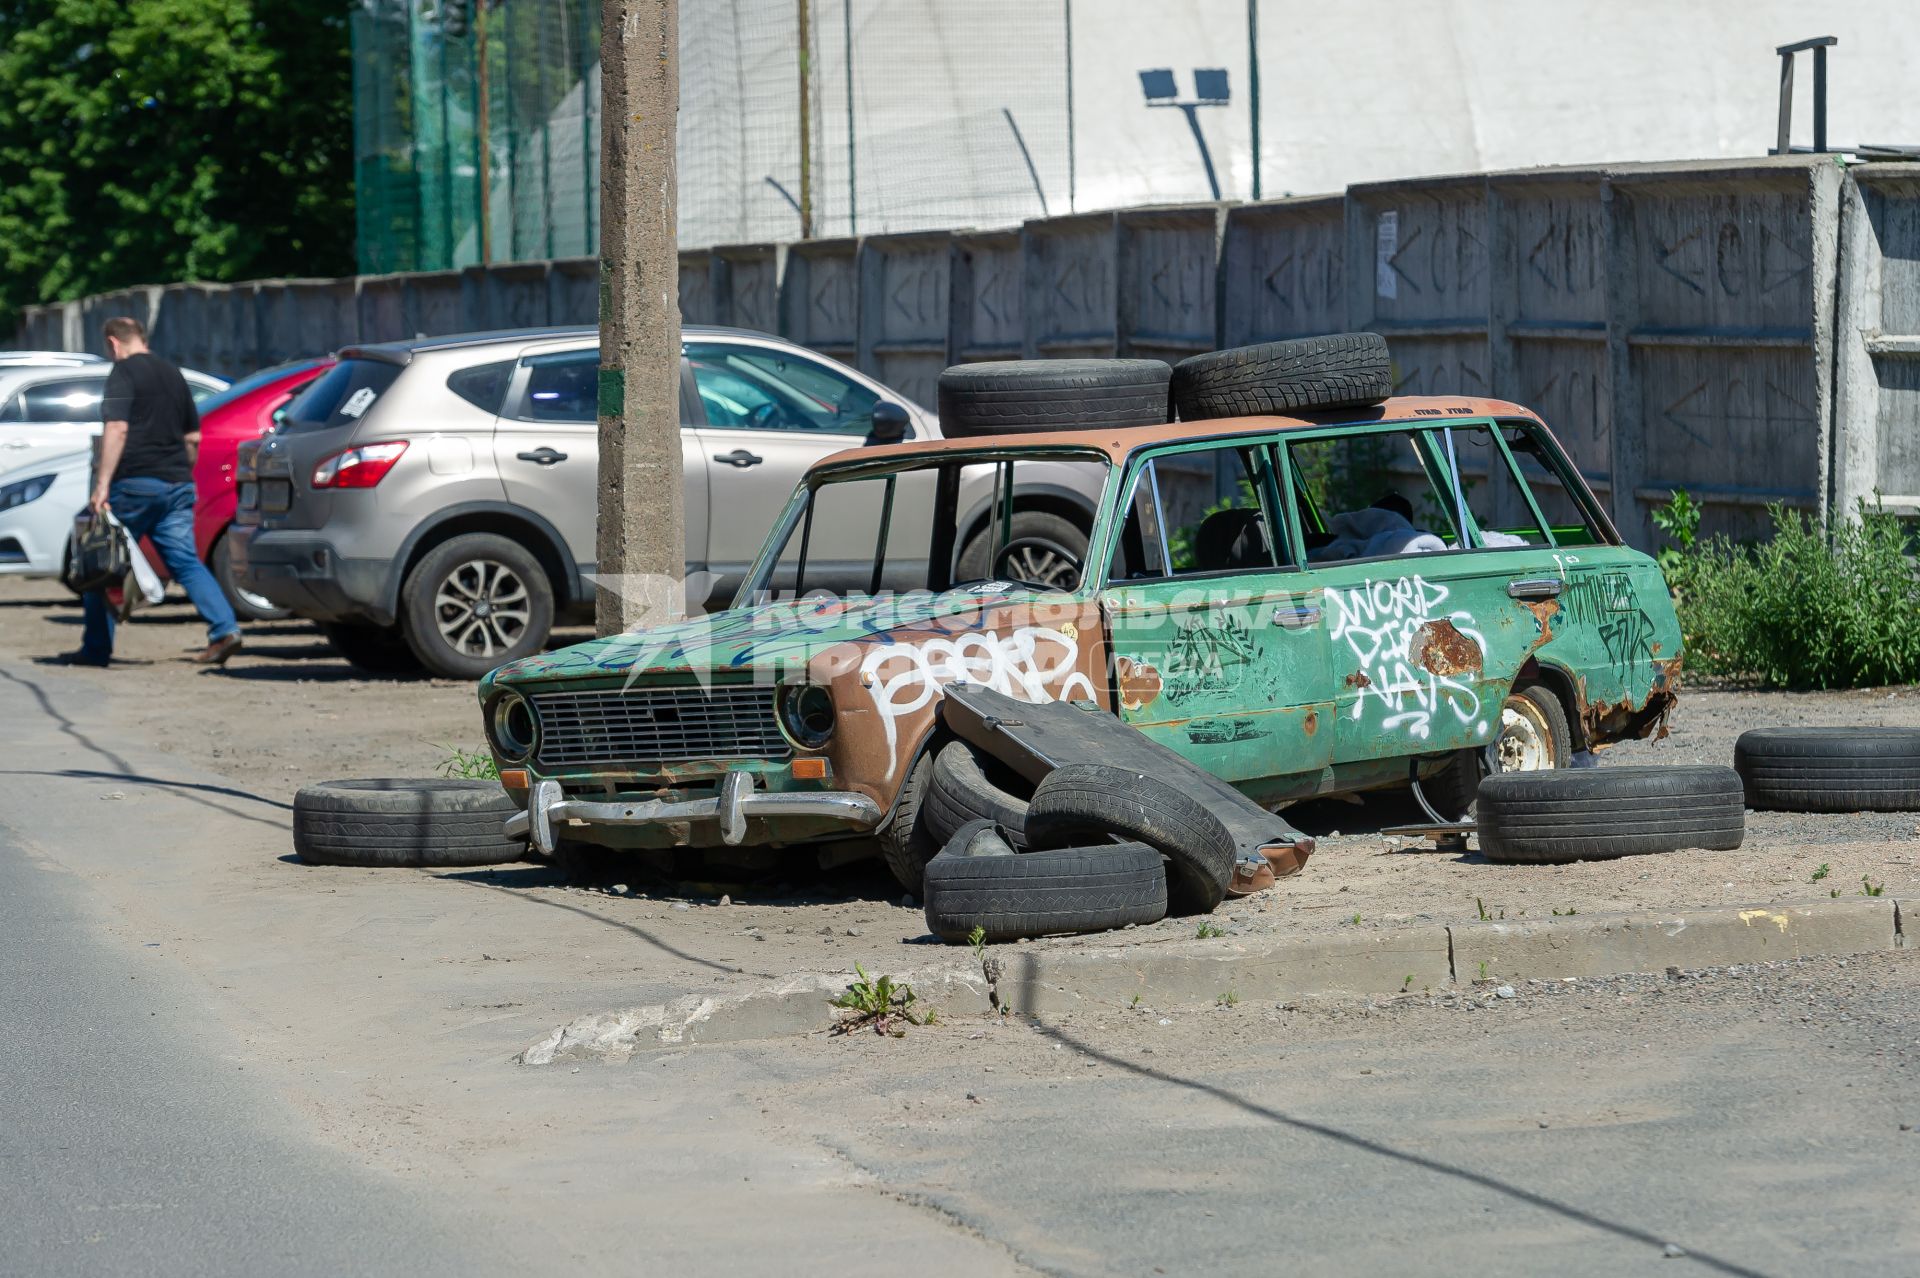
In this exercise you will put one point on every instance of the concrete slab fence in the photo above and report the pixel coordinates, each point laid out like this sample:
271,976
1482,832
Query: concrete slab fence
1746,330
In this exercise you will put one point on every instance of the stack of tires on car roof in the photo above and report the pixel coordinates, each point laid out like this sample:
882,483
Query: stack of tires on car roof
1092,848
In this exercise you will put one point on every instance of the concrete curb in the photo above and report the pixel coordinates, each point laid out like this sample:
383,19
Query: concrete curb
1188,973
798,1005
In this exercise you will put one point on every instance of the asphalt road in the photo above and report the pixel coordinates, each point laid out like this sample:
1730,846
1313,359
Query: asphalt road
130,1144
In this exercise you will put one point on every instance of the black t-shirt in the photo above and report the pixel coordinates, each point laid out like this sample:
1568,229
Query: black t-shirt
151,397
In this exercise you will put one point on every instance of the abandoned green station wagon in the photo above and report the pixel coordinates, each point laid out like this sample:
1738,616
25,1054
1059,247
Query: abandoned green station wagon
1303,605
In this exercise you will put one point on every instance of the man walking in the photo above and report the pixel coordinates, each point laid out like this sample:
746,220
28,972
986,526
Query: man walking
146,478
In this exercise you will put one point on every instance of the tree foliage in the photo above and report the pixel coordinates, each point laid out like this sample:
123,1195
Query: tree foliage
147,141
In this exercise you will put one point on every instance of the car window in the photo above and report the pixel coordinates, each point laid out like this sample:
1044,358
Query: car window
563,387
1385,494
341,395
68,400
484,385
1550,477
1200,513
754,388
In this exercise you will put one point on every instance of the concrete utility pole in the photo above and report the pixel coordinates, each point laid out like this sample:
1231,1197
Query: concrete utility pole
642,527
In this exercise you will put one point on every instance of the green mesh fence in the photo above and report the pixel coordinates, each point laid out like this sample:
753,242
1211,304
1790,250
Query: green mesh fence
476,131
477,122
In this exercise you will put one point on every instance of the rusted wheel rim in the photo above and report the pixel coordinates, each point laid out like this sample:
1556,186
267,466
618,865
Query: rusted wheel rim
1525,743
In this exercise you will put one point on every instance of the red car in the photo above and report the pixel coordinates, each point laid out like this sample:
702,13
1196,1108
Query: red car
247,409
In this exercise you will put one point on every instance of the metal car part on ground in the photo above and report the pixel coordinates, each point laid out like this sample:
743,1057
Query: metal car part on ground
401,822
1599,814
1266,641
1096,777
1830,769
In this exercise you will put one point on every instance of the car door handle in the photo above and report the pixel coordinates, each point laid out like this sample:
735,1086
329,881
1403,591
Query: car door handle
1297,617
1535,588
542,456
739,457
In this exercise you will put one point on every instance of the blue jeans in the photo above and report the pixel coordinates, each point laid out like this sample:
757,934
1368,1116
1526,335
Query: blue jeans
163,513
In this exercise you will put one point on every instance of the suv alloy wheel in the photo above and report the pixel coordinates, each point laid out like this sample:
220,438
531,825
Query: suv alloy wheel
476,602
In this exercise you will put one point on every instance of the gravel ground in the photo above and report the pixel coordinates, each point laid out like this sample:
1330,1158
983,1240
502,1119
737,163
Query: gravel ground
286,710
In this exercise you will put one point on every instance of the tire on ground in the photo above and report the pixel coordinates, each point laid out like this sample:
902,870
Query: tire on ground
905,844
1004,397
220,563
1597,814
1830,769
965,786
374,649
476,566
397,822
1038,535
1342,370
1090,889
1452,790
1081,804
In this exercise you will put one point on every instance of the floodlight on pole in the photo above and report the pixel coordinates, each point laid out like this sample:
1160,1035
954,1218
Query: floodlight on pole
1210,89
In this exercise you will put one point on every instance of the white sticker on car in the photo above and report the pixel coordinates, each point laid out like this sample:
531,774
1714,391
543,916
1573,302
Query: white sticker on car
358,402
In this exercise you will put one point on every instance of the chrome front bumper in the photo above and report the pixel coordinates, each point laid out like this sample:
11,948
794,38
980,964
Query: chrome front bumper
731,807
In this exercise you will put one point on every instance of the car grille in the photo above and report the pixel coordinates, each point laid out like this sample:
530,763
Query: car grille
658,725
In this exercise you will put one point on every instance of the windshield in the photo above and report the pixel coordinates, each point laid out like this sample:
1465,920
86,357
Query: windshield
983,521
253,382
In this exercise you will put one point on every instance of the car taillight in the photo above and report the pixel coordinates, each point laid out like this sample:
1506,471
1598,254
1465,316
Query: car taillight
362,466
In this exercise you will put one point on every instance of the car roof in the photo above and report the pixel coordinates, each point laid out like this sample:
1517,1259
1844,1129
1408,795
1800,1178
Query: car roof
44,359
1122,441
402,352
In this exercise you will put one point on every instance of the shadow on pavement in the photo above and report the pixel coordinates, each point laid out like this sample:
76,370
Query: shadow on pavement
1566,1211
127,772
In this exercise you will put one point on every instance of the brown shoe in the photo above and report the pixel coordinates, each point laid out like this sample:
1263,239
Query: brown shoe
217,652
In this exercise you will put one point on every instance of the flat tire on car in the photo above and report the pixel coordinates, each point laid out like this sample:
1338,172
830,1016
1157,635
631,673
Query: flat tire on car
1004,397
1342,370
374,649
1061,890
963,788
1598,814
476,602
905,844
1080,804
1830,769
246,605
401,822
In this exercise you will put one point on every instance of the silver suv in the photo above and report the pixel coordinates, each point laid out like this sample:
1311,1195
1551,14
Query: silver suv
433,502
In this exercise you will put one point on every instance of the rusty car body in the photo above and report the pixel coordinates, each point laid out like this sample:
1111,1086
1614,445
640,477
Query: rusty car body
1221,609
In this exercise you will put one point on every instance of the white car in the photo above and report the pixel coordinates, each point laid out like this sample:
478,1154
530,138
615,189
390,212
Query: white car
49,415
41,489
53,402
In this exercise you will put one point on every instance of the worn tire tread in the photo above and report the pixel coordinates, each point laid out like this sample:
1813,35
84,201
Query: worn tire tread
1082,803
1830,769
1002,397
1341,370
1060,890
401,822
1597,814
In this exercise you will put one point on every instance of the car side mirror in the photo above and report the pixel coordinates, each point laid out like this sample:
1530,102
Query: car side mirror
889,423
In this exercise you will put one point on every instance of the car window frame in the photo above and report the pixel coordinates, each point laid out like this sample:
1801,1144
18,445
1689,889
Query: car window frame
23,394
1285,547
1433,463
515,404
881,394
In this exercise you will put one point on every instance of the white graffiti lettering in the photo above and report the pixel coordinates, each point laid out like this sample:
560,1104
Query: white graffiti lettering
1379,622
1033,663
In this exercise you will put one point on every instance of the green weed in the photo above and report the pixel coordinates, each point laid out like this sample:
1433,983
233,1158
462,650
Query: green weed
1821,873
1229,999
978,940
1355,920
1407,984
468,765
1811,607
1482,906
1208,930
1869,888
1483,969
1567,913
879,1002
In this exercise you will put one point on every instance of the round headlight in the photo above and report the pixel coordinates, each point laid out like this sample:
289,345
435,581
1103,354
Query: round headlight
513,727
806,712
